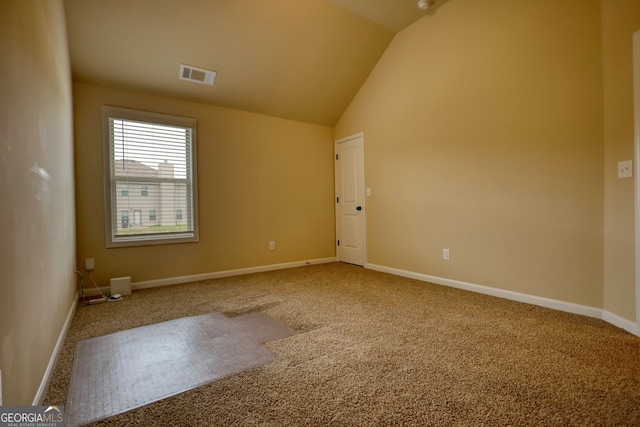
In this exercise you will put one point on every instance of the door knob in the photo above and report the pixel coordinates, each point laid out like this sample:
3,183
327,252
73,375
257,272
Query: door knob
359,208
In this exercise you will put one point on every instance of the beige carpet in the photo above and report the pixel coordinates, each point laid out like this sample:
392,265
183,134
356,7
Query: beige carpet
375,349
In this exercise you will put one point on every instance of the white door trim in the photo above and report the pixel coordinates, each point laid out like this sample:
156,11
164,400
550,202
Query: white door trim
364,204
636,103
349,138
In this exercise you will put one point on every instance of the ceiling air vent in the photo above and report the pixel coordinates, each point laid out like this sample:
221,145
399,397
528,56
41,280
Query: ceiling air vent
197,75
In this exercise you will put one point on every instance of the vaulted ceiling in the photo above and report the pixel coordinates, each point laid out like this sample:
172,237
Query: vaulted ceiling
297,59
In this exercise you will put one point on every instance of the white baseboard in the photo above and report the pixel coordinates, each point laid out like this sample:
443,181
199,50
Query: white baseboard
620,322
44,384
135,286
501,293
227,273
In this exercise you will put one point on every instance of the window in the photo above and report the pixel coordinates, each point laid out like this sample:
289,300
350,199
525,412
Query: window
156,154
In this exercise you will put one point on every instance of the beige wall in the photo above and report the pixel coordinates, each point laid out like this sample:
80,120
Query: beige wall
37,243
260,178
620,19
484,134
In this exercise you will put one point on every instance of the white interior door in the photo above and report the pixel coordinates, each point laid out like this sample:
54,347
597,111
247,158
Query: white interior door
350,213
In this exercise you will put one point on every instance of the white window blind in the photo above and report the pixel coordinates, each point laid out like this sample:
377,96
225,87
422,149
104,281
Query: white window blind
150,162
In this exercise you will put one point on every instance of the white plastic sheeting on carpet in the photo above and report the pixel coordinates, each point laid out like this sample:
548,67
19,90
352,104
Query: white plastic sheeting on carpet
128,369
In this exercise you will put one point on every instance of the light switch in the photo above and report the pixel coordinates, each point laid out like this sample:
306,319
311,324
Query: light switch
368,192
625,169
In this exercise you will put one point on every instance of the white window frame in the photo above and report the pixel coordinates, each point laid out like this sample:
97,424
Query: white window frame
110,190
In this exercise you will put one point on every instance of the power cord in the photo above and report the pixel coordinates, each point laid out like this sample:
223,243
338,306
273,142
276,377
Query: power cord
96,285
109,298
81,285
102,298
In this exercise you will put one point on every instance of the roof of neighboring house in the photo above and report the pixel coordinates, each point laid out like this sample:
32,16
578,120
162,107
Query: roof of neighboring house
126,167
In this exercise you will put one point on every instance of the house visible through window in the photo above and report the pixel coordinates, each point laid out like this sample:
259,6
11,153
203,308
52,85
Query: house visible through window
151,172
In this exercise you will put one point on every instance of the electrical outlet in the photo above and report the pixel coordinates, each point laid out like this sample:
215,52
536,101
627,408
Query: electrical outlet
272,245
625,169
446,255
89,264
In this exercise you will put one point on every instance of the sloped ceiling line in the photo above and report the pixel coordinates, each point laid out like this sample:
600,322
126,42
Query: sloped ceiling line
300,60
